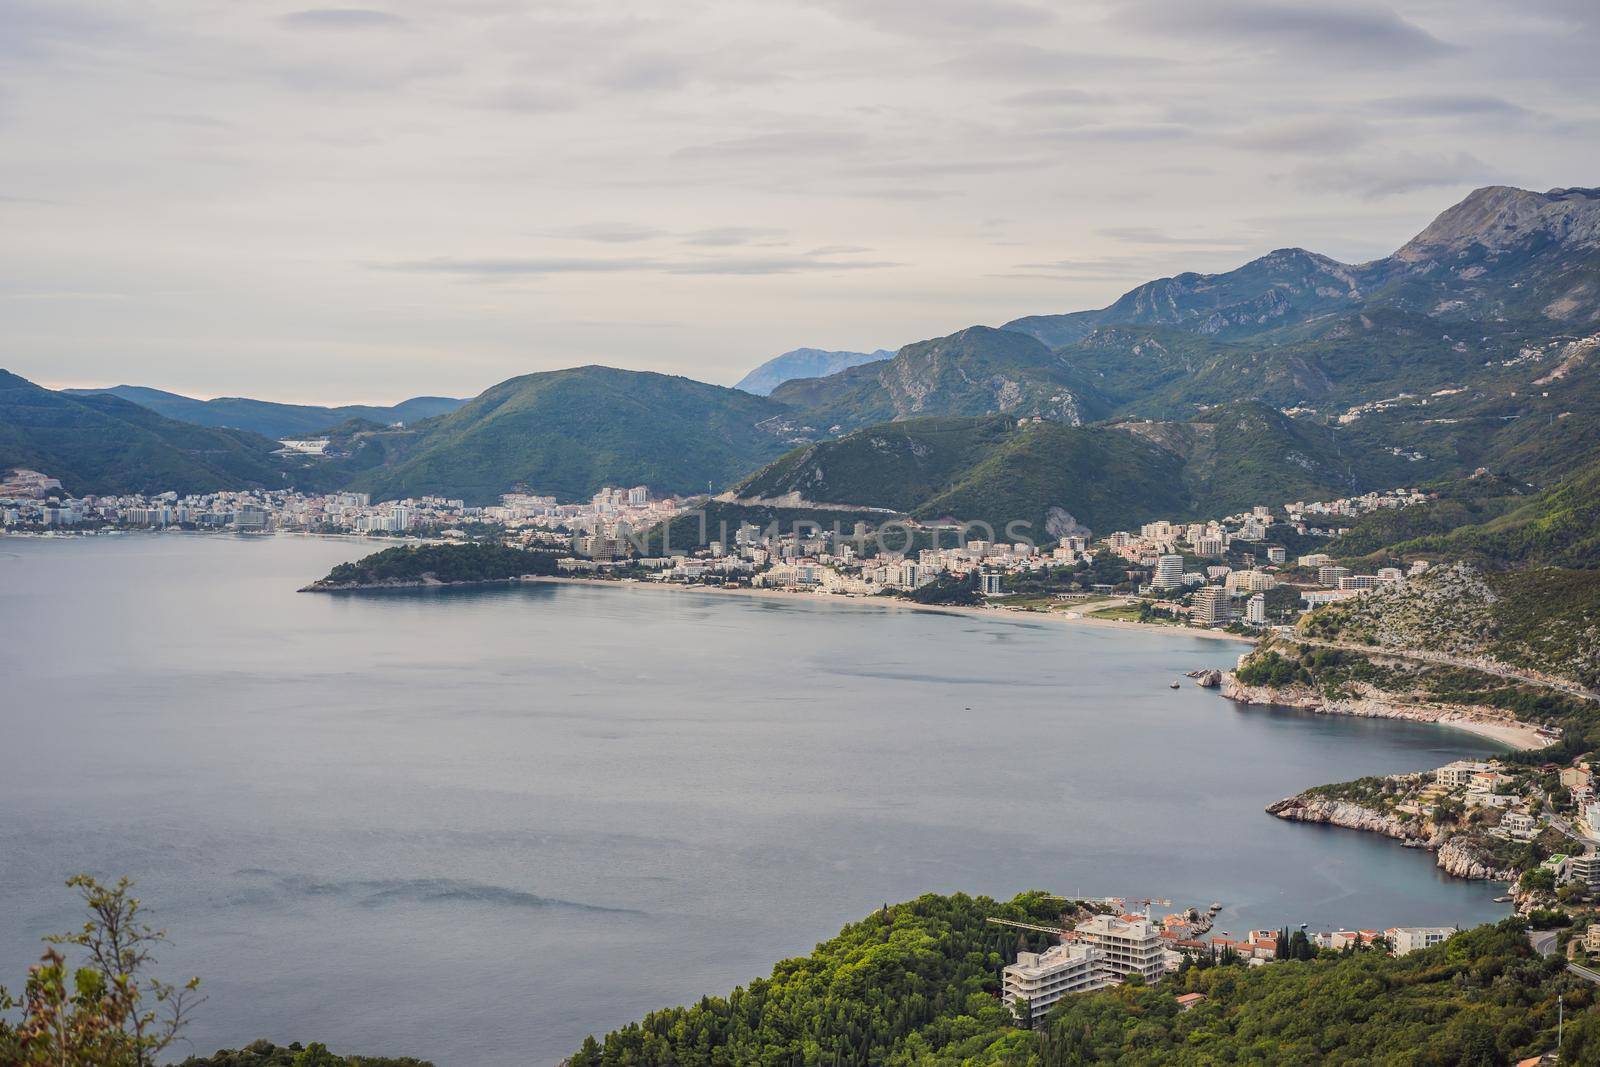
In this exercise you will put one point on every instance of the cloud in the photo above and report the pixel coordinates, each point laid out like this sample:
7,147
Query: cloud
1012,61
935,18
769,145
1058,98
1356,33
543,267
724,236
616,233
1449,105
1149,235
1314,134
342,18
643,74
1127,133
1396,174
530,99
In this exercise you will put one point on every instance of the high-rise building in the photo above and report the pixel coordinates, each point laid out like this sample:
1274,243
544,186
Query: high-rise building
1210,606
1255,612
1169,573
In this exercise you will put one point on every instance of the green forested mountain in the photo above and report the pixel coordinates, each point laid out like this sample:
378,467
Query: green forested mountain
569,432
974,372
270,419
1060,478
103,444
916,985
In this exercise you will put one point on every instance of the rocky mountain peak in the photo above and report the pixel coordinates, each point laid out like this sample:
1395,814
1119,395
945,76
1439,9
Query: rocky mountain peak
1500,217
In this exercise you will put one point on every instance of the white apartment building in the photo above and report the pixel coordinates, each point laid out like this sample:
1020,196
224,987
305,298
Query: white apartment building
1458,774
1042,978
1255,612
1210,606
1405,939
1169,573
1129,947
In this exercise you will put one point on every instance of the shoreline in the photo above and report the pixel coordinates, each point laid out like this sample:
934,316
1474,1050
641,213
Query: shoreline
1002,613
1516,735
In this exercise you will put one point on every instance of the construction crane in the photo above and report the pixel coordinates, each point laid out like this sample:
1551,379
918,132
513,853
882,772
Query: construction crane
1056,930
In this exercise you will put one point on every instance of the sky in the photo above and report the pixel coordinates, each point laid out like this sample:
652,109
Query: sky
364,203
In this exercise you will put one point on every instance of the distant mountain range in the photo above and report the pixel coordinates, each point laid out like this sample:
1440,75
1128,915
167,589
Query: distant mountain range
1473,345
270,419
104,444
804,363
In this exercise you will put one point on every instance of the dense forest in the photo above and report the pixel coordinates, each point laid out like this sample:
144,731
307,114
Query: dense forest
437,563
915,985
266,1054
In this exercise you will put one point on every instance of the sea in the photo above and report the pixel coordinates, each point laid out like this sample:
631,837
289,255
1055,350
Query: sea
475,825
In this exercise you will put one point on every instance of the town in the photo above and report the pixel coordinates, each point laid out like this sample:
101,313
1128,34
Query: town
1246,571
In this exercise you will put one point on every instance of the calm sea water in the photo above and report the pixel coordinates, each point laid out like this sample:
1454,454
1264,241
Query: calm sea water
475,826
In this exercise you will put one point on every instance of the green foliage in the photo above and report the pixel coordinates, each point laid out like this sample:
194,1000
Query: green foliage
266,1054
270,419
569,432
976,371
469,562
102,444
1055,477
1543,619
948,589
915,985
108,1012
922,974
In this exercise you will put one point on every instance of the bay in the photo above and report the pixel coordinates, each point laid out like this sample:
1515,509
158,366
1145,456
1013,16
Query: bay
476,825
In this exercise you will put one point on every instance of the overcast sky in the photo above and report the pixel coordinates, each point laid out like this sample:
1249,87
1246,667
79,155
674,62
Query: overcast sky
366,203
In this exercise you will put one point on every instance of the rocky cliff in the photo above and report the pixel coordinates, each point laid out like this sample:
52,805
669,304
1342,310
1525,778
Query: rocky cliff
1460,854
1365,702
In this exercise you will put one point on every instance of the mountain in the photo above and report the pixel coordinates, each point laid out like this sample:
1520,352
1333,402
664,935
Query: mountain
1060,478
104,444
1498,251
804,363
270,419
569,432
1500,272
1492,522
1289,285
974,372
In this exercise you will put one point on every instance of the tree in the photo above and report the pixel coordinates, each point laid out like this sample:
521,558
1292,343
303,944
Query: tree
110,1012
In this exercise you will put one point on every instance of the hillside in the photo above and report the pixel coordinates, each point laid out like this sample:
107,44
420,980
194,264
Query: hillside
1061,478
1542,619
915,985
804,363
103,444
977,371
569,432
1501,271
270,419
1556,528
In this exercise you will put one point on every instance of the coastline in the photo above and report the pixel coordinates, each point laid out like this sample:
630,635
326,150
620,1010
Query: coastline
1500,728
1010,614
